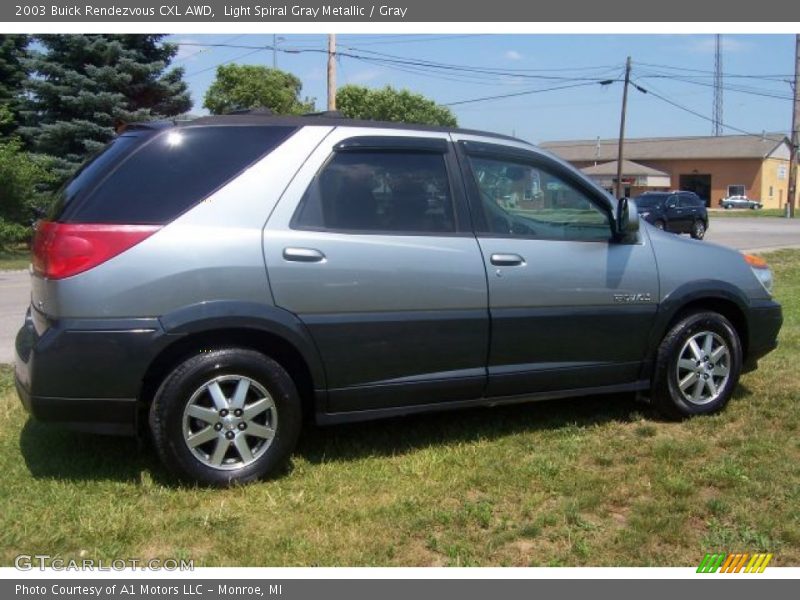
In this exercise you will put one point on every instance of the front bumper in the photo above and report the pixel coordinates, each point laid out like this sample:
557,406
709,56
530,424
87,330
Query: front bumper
85,374
764,321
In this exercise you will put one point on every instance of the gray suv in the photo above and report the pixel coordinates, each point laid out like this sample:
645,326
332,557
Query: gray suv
216,281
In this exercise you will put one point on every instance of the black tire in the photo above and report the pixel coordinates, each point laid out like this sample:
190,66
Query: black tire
193,379
727,206
666,393
660,225
698,231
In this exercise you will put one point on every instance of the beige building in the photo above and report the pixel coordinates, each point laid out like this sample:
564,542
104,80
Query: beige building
713,167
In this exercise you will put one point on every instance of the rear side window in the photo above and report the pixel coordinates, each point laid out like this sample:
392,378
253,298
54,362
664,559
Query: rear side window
379,190
153,178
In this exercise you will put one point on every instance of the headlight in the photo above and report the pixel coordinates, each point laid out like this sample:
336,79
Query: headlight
760,269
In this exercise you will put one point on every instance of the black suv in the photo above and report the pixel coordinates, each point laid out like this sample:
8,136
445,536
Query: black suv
678,212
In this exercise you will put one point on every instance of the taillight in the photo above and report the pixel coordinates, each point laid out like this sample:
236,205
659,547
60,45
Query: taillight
65,249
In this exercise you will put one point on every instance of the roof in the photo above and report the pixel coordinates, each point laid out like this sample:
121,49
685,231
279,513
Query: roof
628,168
666,148
255,118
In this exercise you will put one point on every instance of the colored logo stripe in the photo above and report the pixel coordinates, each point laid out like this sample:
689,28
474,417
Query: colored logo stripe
734,563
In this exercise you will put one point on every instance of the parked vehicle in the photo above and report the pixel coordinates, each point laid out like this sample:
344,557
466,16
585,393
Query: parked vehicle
677,212
740,202
216,281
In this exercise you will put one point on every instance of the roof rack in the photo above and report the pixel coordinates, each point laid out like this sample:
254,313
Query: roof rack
331,114
260,110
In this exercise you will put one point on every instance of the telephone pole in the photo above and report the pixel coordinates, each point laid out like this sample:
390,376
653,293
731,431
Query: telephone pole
331,71
622,126
795,138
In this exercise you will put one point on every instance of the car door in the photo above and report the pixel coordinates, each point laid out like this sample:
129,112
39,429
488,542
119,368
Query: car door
675,215
372,248
689,206
570,308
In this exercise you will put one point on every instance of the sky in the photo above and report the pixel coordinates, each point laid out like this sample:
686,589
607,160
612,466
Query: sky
672,69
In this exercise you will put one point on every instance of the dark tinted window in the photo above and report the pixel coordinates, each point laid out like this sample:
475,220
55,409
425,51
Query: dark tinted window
395,191
649,200
690,200
156,177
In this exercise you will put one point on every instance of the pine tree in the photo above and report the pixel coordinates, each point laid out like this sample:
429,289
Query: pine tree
12,78
83,86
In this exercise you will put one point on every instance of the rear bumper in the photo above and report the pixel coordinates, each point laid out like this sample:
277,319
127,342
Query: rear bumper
764,322
85,374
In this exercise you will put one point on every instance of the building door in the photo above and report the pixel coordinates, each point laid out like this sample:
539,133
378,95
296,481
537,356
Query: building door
700,184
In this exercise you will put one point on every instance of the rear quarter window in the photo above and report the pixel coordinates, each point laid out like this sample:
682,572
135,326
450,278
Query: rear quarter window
155,177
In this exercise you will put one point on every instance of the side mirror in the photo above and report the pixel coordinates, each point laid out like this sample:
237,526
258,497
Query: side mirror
627,219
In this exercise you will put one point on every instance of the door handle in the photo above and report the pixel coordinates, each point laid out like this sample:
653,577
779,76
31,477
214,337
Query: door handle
507,260
308,255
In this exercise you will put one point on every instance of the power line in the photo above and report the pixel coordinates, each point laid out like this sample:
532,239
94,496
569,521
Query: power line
700,115
515,94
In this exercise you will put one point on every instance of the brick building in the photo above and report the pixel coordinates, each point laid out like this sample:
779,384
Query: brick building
713,167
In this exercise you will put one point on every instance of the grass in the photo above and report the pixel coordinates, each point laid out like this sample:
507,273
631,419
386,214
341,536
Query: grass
743,212
591,481
14,259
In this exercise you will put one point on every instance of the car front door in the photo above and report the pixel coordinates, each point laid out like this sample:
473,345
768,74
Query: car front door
371,246
675,215
570,308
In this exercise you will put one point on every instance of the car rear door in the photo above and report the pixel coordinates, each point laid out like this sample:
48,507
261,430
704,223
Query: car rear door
570,308
372,248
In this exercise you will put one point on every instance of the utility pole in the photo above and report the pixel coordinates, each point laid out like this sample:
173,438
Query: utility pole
717,128
622,126
331,71
795,137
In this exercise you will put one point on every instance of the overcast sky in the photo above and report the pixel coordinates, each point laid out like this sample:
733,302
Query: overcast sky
678,68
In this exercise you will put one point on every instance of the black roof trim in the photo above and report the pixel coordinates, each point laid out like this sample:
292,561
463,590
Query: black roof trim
301,121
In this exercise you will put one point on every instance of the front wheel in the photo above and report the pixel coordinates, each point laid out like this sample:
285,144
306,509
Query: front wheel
226,416
698,230
697,366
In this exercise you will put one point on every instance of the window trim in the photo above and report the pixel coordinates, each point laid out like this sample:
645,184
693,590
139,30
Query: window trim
467,149
391,145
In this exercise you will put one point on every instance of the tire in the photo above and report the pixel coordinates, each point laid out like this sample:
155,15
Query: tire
239,409
660,225
698,230
727,206
680,389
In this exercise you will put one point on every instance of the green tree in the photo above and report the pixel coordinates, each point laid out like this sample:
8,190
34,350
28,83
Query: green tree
83,86
20,174
389,104
13,73
239,87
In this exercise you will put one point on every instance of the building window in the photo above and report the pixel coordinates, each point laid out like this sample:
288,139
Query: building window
770,191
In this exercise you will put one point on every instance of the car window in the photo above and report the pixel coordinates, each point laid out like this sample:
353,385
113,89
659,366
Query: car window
153,178
528,201
672,201
686,201
649,200
379,190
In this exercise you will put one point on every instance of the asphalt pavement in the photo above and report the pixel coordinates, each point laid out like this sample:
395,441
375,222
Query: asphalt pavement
752,234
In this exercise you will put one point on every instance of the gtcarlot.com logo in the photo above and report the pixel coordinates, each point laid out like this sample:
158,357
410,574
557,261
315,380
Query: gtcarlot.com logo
734,563
27,562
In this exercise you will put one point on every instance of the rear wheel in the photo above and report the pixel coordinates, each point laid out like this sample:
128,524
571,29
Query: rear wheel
226,416
698,230
660,225
697,366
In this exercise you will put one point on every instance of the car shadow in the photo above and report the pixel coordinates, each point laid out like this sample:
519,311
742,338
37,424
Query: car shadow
53,453
390,437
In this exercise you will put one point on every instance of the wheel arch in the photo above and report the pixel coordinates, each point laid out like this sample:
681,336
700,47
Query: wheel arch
716,296
272,331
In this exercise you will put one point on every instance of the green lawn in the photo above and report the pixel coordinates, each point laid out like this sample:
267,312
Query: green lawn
12,259
592,481
743,212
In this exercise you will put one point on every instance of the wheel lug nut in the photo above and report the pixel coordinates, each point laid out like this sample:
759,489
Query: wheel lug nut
223,412
242,426
238,412
218,427
230,435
